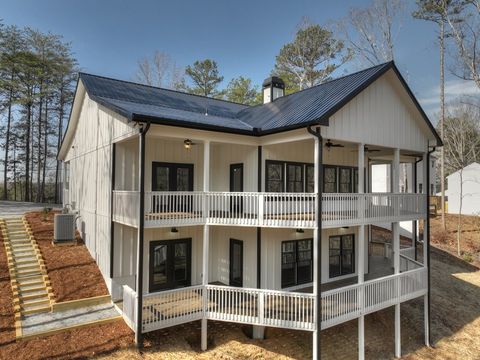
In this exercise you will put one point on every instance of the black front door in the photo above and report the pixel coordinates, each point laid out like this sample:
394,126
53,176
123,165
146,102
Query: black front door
236,185
236,263
172,177
170,264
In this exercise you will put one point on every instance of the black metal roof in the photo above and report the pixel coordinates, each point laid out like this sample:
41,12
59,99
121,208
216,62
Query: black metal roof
311,106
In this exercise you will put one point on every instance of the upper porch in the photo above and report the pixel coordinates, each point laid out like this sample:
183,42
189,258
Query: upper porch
235,181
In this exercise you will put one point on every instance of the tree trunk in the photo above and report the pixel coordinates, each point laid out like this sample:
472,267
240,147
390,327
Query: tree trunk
59,143
7,145
45,153
459,224
39,146
442,118
27,154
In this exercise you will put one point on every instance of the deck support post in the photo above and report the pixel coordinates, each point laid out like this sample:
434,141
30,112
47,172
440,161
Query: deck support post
317,240
361,251
140,237
206,240
396,247
426,242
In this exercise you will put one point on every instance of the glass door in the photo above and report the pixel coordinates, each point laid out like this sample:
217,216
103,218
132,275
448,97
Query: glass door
236,263
236,185
170,264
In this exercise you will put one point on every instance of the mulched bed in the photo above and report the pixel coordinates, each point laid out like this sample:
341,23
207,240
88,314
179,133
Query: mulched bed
73,272
74,344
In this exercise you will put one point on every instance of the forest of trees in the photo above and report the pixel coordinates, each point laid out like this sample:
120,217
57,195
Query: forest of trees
37,80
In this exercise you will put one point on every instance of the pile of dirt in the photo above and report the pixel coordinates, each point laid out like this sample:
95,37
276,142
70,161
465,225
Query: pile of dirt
73,272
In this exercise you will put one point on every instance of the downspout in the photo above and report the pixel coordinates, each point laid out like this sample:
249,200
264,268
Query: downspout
112,223
414,228
141,227
318,135
427,240
259,229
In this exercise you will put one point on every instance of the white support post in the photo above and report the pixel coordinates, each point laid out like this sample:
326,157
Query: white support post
396,248
206,238
424,246
316,260
361,252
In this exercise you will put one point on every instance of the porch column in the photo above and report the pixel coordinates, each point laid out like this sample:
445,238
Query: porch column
317,236
206,237
415,222
396,244
361,251
426,235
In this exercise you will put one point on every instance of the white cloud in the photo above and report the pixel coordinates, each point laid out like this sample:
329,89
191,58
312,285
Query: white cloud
453,89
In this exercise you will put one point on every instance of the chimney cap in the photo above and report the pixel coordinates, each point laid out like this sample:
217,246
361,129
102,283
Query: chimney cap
273,81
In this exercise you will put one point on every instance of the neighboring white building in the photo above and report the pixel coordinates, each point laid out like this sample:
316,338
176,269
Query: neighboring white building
471,190
197,208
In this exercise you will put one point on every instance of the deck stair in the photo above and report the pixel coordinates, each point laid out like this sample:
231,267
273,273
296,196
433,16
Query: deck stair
31,288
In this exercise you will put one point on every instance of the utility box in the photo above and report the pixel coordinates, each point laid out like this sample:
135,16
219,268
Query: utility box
64,228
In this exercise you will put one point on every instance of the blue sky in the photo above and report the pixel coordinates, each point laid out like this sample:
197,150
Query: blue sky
108,37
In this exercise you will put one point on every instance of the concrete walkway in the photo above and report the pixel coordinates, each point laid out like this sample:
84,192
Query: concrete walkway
47,323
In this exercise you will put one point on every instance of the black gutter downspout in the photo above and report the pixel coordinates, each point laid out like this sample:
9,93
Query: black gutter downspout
414,227
259,229
318,135
112,224
427,240
141,227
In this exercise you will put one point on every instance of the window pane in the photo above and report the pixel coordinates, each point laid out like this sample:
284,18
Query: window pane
274,177
334,266
345,180
310,186
183,179
288,263
294,178
347,262
159,271
330,179
180,262
162,177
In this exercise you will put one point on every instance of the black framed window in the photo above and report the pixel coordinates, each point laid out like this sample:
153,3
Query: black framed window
329,179
295,180
309,178
345,180
341,255
172,176
275,176
297,265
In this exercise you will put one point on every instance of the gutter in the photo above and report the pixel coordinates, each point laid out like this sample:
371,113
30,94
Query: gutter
140,242
316,133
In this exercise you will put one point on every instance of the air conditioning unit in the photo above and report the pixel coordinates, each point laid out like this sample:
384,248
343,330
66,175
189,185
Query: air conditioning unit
64,228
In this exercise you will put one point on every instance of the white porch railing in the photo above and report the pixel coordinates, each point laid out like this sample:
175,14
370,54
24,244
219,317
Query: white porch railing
296,210
274,308
345,304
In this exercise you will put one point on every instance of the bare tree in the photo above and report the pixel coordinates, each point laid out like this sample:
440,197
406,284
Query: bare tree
160,70
462,147
464,26
371,31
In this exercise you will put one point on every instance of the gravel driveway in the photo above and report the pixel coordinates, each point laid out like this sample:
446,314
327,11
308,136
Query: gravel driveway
16,208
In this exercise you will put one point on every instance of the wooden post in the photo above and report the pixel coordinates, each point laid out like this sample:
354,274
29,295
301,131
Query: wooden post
396,247
206,237
426,229
361,252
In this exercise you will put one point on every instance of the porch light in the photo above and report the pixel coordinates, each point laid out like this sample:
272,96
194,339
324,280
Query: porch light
345,227
300,231
174,230
187,143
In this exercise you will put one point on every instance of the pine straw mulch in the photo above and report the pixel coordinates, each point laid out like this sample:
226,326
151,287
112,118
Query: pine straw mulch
72,270
80,343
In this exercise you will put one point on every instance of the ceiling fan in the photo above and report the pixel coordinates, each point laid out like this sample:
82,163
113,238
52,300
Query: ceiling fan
367,150
329,144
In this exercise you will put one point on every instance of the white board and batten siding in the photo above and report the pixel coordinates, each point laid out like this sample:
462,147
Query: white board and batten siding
89,157
384,115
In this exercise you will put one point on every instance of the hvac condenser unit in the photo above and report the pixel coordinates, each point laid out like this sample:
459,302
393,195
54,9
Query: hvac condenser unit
64,228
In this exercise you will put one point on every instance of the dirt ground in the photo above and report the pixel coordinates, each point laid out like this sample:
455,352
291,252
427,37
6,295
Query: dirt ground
446,239
455,327
72,271
75,344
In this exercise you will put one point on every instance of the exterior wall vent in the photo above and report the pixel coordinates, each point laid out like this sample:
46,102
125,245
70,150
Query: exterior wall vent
64,228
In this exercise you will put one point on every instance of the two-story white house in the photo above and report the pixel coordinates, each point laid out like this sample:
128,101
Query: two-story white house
202,209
